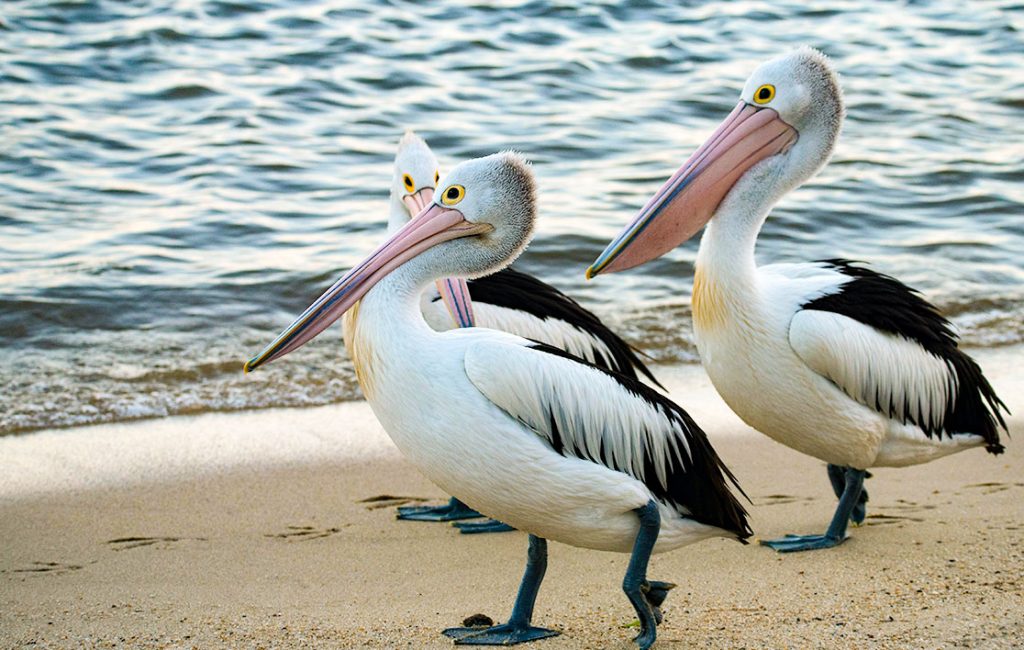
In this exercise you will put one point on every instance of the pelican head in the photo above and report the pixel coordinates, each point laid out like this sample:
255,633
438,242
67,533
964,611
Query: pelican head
480,220
416,176
782,131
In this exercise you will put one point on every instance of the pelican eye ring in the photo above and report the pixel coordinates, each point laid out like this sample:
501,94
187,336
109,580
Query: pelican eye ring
453,195
407,181
437,176
764,94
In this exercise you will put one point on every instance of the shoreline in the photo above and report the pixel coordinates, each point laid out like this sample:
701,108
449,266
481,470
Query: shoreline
217,531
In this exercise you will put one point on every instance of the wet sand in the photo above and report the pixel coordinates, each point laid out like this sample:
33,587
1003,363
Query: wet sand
222,531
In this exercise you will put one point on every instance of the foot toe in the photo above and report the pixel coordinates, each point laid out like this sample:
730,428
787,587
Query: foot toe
498,635
794,543
489,526
646,638
656,592
446,512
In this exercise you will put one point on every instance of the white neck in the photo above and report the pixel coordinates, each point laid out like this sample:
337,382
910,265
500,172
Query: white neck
393,305
725,277
398,216
386,327
727,246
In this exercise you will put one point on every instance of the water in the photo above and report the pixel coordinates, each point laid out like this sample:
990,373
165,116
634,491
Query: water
178,179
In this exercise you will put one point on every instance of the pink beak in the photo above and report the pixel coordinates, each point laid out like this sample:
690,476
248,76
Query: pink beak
455,294
690,198
454,291
431,226
418,202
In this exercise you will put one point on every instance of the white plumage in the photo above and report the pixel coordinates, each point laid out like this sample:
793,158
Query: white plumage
524,305
579,408
829,358
552,331
886,372
817,381
495,450
520,431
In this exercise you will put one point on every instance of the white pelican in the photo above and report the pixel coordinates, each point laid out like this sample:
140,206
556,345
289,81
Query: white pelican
519,430
508,301
830,358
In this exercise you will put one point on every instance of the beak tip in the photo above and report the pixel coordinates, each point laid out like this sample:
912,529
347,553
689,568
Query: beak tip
596,269
248,367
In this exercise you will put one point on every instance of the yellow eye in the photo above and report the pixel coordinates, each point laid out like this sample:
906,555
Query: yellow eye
453,195
764,94
437,176
407,181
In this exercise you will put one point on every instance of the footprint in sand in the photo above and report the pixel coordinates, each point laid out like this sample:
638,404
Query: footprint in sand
304,533
126,543
779,499
388,501
993,487
47,567
904,506
879,519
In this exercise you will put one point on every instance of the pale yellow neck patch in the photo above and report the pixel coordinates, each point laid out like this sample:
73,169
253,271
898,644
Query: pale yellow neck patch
359,349
709,305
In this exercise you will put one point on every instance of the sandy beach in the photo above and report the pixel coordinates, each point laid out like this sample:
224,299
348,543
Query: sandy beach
276,529
180,180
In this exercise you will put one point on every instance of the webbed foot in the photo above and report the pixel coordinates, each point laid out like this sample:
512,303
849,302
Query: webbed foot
454,510
504,634
656,592
794,543
476,528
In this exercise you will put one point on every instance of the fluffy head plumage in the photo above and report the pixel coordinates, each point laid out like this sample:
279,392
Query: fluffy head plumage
498,190
415,163
807,91
807,96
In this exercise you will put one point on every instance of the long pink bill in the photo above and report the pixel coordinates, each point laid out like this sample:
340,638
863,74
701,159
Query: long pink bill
418,202
454,291
433,225
455,294
690,197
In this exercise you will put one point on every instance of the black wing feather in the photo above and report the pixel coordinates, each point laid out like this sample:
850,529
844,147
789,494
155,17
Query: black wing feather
515,290
696,483
884,303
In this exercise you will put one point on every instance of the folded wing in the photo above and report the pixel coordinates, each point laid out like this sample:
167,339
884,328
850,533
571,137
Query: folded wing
590,413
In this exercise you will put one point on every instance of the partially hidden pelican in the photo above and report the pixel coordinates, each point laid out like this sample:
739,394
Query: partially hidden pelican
830,358
519,430
509,301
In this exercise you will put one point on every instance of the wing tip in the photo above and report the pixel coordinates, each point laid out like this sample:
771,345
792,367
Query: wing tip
995,448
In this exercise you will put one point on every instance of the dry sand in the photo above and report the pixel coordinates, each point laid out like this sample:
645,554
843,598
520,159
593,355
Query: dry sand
254,531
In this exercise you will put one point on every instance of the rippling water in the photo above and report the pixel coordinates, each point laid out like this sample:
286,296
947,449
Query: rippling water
178,179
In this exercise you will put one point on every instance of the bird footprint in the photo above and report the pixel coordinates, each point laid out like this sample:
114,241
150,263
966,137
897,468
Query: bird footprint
878,519
303,533
902,505
992,487
125,543
779,499
387,501
48,567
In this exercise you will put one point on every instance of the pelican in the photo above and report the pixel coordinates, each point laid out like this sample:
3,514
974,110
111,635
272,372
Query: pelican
520,430
830,358
509,301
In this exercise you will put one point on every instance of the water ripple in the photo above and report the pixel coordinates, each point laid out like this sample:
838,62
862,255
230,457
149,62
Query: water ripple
178,179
